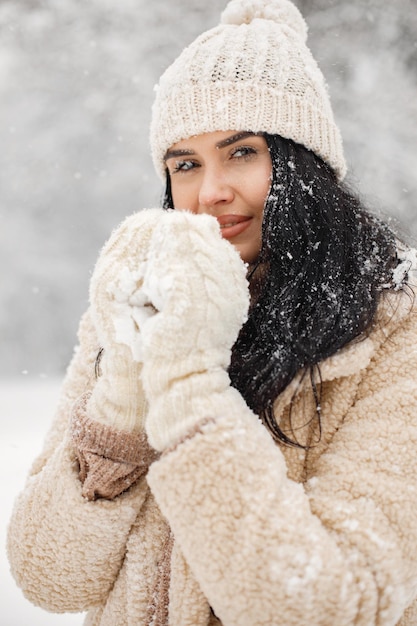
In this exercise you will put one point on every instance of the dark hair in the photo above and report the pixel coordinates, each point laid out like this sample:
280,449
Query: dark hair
318,278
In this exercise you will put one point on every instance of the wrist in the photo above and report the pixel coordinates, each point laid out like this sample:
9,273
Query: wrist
175,414
118,400
110,460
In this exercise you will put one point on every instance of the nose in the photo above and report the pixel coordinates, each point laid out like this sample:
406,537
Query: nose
215,190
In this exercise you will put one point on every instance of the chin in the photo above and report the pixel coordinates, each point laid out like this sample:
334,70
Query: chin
248,257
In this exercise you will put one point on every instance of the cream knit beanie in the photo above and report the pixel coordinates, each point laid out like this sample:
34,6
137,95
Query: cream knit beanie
253,72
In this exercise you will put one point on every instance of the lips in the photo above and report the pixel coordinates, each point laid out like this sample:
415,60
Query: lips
233,225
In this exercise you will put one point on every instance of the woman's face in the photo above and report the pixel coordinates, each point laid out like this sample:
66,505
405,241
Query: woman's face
226,174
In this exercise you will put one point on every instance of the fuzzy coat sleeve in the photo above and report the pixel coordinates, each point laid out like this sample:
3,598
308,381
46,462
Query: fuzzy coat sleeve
336,551
64,551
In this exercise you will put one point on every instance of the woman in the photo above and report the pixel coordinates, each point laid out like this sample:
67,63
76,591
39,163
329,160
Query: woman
235,441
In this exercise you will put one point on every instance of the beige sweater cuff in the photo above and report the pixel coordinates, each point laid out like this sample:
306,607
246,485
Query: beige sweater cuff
110,460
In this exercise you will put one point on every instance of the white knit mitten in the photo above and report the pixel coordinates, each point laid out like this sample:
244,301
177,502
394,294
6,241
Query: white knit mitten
116,303
195,284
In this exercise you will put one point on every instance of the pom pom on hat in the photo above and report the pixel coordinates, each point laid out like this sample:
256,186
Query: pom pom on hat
252,72
281,11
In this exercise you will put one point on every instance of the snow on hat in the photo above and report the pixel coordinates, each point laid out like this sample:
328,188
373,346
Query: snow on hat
252,72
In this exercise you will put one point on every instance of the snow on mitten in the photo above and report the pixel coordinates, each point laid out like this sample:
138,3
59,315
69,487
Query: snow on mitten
195,282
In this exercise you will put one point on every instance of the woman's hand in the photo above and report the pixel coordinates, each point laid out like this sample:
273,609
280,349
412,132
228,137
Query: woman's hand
107,426
195,299
118,399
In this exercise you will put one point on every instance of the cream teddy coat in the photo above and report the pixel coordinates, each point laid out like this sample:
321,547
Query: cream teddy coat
231,528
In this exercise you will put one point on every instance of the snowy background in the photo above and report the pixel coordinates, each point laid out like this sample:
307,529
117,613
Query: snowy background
76,87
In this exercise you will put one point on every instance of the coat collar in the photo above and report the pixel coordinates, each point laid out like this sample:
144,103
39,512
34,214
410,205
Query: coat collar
356,355
347,361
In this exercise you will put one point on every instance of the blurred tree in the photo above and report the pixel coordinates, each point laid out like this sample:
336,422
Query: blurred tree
368,52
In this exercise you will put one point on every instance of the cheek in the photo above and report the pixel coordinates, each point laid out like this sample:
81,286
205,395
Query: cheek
260,193
183,198
264,176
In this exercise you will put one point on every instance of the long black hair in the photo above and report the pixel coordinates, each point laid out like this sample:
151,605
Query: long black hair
317,280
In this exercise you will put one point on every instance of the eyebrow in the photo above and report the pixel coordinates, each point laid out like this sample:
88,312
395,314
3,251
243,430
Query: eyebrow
170,154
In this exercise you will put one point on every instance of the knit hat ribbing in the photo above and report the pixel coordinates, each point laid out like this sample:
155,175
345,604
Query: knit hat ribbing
252,72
